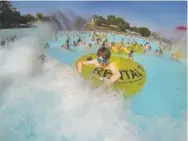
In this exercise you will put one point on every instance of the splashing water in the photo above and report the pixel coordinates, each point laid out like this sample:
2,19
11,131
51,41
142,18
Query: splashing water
179,43
50,102
67,20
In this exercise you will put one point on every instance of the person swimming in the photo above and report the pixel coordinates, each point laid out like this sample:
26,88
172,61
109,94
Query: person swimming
156,51
112,44
43,58
146,47
3,43
102,61
98,40
67,44
89,46
46,45
75,44
130,55
122,42
159,52
79,40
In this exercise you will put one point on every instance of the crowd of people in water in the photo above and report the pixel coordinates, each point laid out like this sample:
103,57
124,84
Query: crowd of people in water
11,39
8,40
105,48
99,39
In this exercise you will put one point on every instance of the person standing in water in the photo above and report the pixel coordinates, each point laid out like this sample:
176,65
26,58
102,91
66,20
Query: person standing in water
67,44
130,55
102,61
146,46
89,47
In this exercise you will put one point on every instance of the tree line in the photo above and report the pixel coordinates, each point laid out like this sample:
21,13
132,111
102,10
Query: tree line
111,21
10,17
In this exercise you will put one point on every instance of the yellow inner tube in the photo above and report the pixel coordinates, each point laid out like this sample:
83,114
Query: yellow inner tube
118,49
137,48
178,55
133,75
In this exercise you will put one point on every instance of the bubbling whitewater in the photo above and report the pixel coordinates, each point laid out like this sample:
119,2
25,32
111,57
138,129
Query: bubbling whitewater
50,102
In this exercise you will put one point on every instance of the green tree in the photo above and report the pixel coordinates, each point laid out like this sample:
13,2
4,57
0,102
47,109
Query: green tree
131,28
111,19
5,5
144,31
121,24
9,16
29,18
40,16
100,20
119,21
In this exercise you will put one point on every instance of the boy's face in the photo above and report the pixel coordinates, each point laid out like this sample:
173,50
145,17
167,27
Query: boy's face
102,61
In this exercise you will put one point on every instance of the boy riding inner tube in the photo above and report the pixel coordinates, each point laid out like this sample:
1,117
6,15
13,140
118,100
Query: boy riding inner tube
130,77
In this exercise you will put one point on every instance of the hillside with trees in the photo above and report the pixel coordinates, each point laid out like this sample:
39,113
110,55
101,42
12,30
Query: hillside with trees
10,17
119,24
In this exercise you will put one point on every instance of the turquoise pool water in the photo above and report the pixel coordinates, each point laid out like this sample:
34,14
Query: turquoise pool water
165,91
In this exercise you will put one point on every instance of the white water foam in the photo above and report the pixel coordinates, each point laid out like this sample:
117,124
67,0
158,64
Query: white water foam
50,102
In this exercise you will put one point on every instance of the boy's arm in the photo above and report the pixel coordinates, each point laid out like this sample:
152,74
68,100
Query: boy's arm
90,62
116,74
81,63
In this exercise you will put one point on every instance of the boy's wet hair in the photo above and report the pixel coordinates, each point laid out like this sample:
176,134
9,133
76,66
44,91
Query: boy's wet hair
104,52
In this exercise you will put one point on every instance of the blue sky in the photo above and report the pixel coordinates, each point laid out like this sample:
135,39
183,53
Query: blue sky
157,15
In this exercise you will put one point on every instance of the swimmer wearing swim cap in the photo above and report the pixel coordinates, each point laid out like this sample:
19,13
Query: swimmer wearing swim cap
102,61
